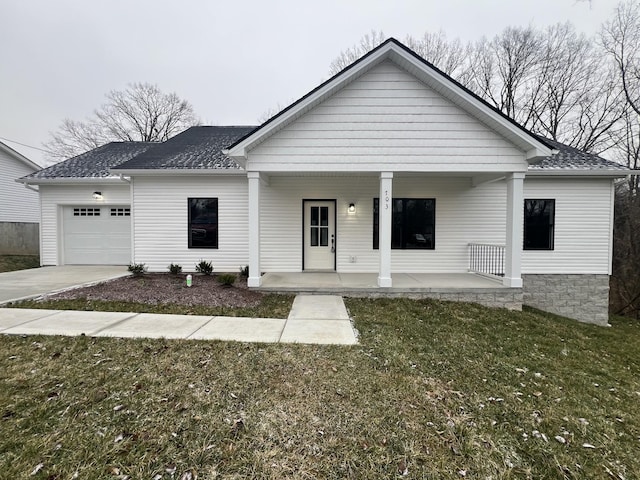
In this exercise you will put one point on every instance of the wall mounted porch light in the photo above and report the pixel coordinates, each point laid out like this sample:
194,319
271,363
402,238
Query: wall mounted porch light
97,196
351,208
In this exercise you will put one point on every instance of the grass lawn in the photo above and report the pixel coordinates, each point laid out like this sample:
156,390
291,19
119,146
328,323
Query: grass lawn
10,263
444,390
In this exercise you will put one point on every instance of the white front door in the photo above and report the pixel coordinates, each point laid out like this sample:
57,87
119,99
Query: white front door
319,235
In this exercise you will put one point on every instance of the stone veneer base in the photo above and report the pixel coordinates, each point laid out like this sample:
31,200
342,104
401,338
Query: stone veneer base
583,297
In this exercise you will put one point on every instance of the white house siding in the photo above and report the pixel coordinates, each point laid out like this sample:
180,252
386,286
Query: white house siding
463,214
17,203
582,226
161,217
386,120
53,199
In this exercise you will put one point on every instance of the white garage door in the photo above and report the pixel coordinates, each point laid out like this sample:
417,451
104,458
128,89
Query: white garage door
97,235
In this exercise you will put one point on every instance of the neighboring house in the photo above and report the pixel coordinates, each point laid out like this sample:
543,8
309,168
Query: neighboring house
388,167
19,206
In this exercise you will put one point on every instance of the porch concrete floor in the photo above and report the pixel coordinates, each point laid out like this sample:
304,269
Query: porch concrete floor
334,282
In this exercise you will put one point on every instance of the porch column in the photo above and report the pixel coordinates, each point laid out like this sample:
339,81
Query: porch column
254,279
515,219
385,207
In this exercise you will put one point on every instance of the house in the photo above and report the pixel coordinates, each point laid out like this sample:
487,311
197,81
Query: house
19,207
388,168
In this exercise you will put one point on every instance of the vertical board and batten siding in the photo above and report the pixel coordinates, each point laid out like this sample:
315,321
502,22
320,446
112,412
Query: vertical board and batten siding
582,226
161,217
386,120
54,198
463,214
17,203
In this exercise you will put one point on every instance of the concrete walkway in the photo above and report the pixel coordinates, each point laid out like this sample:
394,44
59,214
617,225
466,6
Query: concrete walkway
314,319
34,282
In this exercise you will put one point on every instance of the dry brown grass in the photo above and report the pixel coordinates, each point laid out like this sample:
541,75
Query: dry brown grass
446,390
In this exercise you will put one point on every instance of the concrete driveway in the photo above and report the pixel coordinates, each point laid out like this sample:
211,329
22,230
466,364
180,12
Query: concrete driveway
34,282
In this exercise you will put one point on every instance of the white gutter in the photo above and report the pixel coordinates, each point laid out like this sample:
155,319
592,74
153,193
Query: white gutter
180,171
26,185
582,173
71,181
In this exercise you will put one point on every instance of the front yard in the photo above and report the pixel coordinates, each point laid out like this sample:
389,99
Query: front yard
434,390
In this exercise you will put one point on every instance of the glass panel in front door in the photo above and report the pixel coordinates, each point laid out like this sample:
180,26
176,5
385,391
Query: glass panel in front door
319,227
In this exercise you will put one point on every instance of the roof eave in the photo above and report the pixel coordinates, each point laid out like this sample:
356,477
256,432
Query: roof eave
68,180
159,172
582,173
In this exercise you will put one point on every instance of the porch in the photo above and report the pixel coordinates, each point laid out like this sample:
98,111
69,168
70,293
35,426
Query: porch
385,222
460,287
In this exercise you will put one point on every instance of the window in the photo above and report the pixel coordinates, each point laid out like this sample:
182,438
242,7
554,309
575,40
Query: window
413,223
120,212
86,212
319,226
539,224
203,222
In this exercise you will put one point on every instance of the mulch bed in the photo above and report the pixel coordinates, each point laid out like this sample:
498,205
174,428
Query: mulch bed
164,288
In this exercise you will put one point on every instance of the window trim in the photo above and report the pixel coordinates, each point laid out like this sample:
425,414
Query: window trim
551,226
190,223
376,223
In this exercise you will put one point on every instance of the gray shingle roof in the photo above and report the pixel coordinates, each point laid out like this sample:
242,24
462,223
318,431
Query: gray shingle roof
201,148
195,148
570,158
95,163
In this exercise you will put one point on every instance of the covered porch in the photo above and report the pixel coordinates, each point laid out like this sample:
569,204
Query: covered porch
476,227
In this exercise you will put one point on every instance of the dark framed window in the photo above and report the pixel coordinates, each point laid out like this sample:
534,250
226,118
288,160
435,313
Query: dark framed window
413,223
203,222
539,223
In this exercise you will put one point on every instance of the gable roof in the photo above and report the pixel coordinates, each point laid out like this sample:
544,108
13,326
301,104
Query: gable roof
408,60
197,148
18,156
94,164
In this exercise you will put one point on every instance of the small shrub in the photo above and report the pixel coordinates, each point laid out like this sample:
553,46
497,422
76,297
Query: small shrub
137,269
226,279
244,271
204,267
175,269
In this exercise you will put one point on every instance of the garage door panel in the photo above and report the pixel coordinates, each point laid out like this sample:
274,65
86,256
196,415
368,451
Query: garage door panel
97,235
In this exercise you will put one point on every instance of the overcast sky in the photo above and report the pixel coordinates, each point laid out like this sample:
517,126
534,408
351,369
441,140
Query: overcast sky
233,60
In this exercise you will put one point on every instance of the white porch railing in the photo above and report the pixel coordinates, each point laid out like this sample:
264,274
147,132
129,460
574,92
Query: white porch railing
486,259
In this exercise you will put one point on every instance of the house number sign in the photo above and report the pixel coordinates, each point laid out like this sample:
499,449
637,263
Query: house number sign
386,199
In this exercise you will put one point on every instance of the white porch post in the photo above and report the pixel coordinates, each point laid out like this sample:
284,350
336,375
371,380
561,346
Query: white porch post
513,250
385,207
254,279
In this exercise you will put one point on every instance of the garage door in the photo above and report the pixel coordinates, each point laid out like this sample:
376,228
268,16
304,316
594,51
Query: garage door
97,235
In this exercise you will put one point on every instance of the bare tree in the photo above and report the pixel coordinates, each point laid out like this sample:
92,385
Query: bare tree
367,43
140,113
578,101
503,71
620,38
447,55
